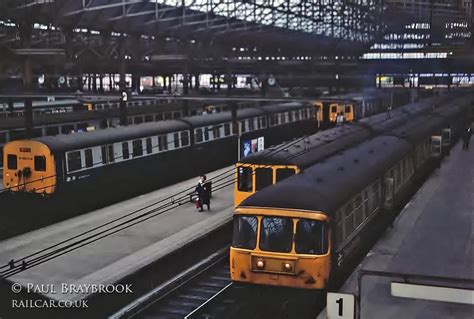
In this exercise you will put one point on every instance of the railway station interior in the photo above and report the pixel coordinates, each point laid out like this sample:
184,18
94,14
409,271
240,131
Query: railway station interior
236,159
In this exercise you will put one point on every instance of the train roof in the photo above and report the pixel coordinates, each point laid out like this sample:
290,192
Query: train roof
63,143
328,185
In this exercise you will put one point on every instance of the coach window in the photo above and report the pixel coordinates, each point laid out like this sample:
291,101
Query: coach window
168,116
226,129
290,116
137,147
311,237
198,135
88,157
358,211
297,115
125,153
40,163
347,109
159,117
138,119
52,130
162,142
333,109
176,115
3,138
12,162
110,153
245,232
148,118
206,134
67,129
244,179
251,124
103,154
276,234
148,145
263,122
176,140
263,178
74,161
283,173
216,131
282,118
184,139
242,126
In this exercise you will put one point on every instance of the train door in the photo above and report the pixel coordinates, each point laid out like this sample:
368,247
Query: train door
334,110
389,190
348,112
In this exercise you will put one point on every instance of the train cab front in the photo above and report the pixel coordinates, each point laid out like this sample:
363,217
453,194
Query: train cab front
280,248
29,168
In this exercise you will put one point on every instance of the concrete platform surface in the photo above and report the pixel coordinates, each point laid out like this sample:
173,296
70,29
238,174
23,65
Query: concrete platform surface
432,236
118,255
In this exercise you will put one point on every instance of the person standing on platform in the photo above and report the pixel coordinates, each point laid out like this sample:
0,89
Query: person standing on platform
203,192
466,138
339,119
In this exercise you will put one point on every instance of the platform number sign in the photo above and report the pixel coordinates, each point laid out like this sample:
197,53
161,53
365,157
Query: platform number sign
340,306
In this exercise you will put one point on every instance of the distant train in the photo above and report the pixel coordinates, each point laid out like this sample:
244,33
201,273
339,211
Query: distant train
12,128
301,232
125,161
268,167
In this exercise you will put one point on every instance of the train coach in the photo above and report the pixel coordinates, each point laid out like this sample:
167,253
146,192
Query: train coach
303,231
272,165
124,161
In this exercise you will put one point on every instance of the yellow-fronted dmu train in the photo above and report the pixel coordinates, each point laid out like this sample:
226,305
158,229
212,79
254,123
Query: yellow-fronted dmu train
302,231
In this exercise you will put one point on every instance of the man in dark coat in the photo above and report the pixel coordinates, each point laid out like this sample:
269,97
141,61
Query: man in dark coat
203,192
466,138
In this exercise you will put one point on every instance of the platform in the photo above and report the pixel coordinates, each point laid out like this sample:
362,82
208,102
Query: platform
432,236
112,258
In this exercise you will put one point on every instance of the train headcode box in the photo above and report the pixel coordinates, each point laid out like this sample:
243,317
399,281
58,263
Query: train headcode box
340,306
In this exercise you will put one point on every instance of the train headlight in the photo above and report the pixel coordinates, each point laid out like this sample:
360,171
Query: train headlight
260,264
287,266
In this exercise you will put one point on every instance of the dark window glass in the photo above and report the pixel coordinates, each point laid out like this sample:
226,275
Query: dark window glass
103,153
245,232
227,129
88,157
184,138
52,130
347,109
1,156
251,125
74,161
206,134
290,116
333,109
159,117
282,118
137,146
17,135
37,132
198,136
176,115
168,116
311,237
297,115
263,178
242,126
244,179
138,119
176,140
162,142
283,173
276,234
3,138
148,118
111,153
216,131
40,163
149,148
12,162
125,153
